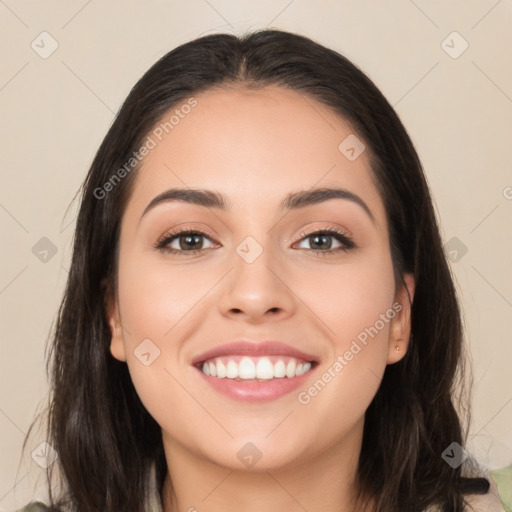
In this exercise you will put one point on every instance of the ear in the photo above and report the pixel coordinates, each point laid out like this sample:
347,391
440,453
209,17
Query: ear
117,348
400,329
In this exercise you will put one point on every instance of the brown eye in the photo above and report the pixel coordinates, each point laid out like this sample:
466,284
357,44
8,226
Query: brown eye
188,241
322,241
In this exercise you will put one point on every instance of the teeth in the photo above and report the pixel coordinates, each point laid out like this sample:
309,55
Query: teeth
232,372
261,368
279,369
290,369
301,368
264,369
246,369
221,370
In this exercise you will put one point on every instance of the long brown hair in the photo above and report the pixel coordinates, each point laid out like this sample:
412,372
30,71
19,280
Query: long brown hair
106,440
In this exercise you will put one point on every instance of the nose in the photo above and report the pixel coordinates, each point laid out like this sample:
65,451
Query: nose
257,291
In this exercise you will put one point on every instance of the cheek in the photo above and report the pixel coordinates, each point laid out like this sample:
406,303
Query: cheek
161,308
352,297
355,306
154,298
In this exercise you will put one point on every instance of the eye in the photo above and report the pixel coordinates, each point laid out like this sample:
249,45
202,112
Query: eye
191,241
321,241
187,241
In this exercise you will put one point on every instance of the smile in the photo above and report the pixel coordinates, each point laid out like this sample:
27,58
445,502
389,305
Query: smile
262,369
254,371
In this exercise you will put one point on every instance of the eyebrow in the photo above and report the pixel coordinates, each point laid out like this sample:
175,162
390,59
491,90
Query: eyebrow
293,201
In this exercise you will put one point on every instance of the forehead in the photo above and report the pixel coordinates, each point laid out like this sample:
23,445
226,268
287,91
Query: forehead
252,145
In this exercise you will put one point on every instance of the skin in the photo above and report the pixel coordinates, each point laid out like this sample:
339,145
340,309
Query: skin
255,147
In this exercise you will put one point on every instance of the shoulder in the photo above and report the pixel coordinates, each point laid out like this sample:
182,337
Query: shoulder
483,503
497,499
34,506
489,502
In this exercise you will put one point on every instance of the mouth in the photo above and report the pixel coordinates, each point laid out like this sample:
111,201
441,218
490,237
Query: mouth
255,372
262,369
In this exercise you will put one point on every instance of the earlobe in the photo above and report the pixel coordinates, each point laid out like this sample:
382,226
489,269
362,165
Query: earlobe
400,330
117,348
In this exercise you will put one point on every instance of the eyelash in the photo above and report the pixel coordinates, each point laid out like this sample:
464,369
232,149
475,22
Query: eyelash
340,236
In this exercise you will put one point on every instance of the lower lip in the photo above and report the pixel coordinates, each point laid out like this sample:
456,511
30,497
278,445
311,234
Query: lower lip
254,391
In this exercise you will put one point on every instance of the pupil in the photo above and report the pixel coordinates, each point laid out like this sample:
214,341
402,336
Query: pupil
191,239
322,237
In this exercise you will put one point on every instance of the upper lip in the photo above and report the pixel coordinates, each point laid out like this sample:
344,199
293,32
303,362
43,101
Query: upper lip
253,349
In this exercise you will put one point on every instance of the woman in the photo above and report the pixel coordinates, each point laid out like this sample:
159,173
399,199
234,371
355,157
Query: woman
259,313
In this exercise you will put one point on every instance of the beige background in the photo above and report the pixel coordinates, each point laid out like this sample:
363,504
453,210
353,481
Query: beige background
55,112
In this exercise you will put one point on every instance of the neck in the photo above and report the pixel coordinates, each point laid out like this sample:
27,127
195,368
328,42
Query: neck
323,482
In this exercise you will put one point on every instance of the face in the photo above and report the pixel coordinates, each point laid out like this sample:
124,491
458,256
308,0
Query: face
260,288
